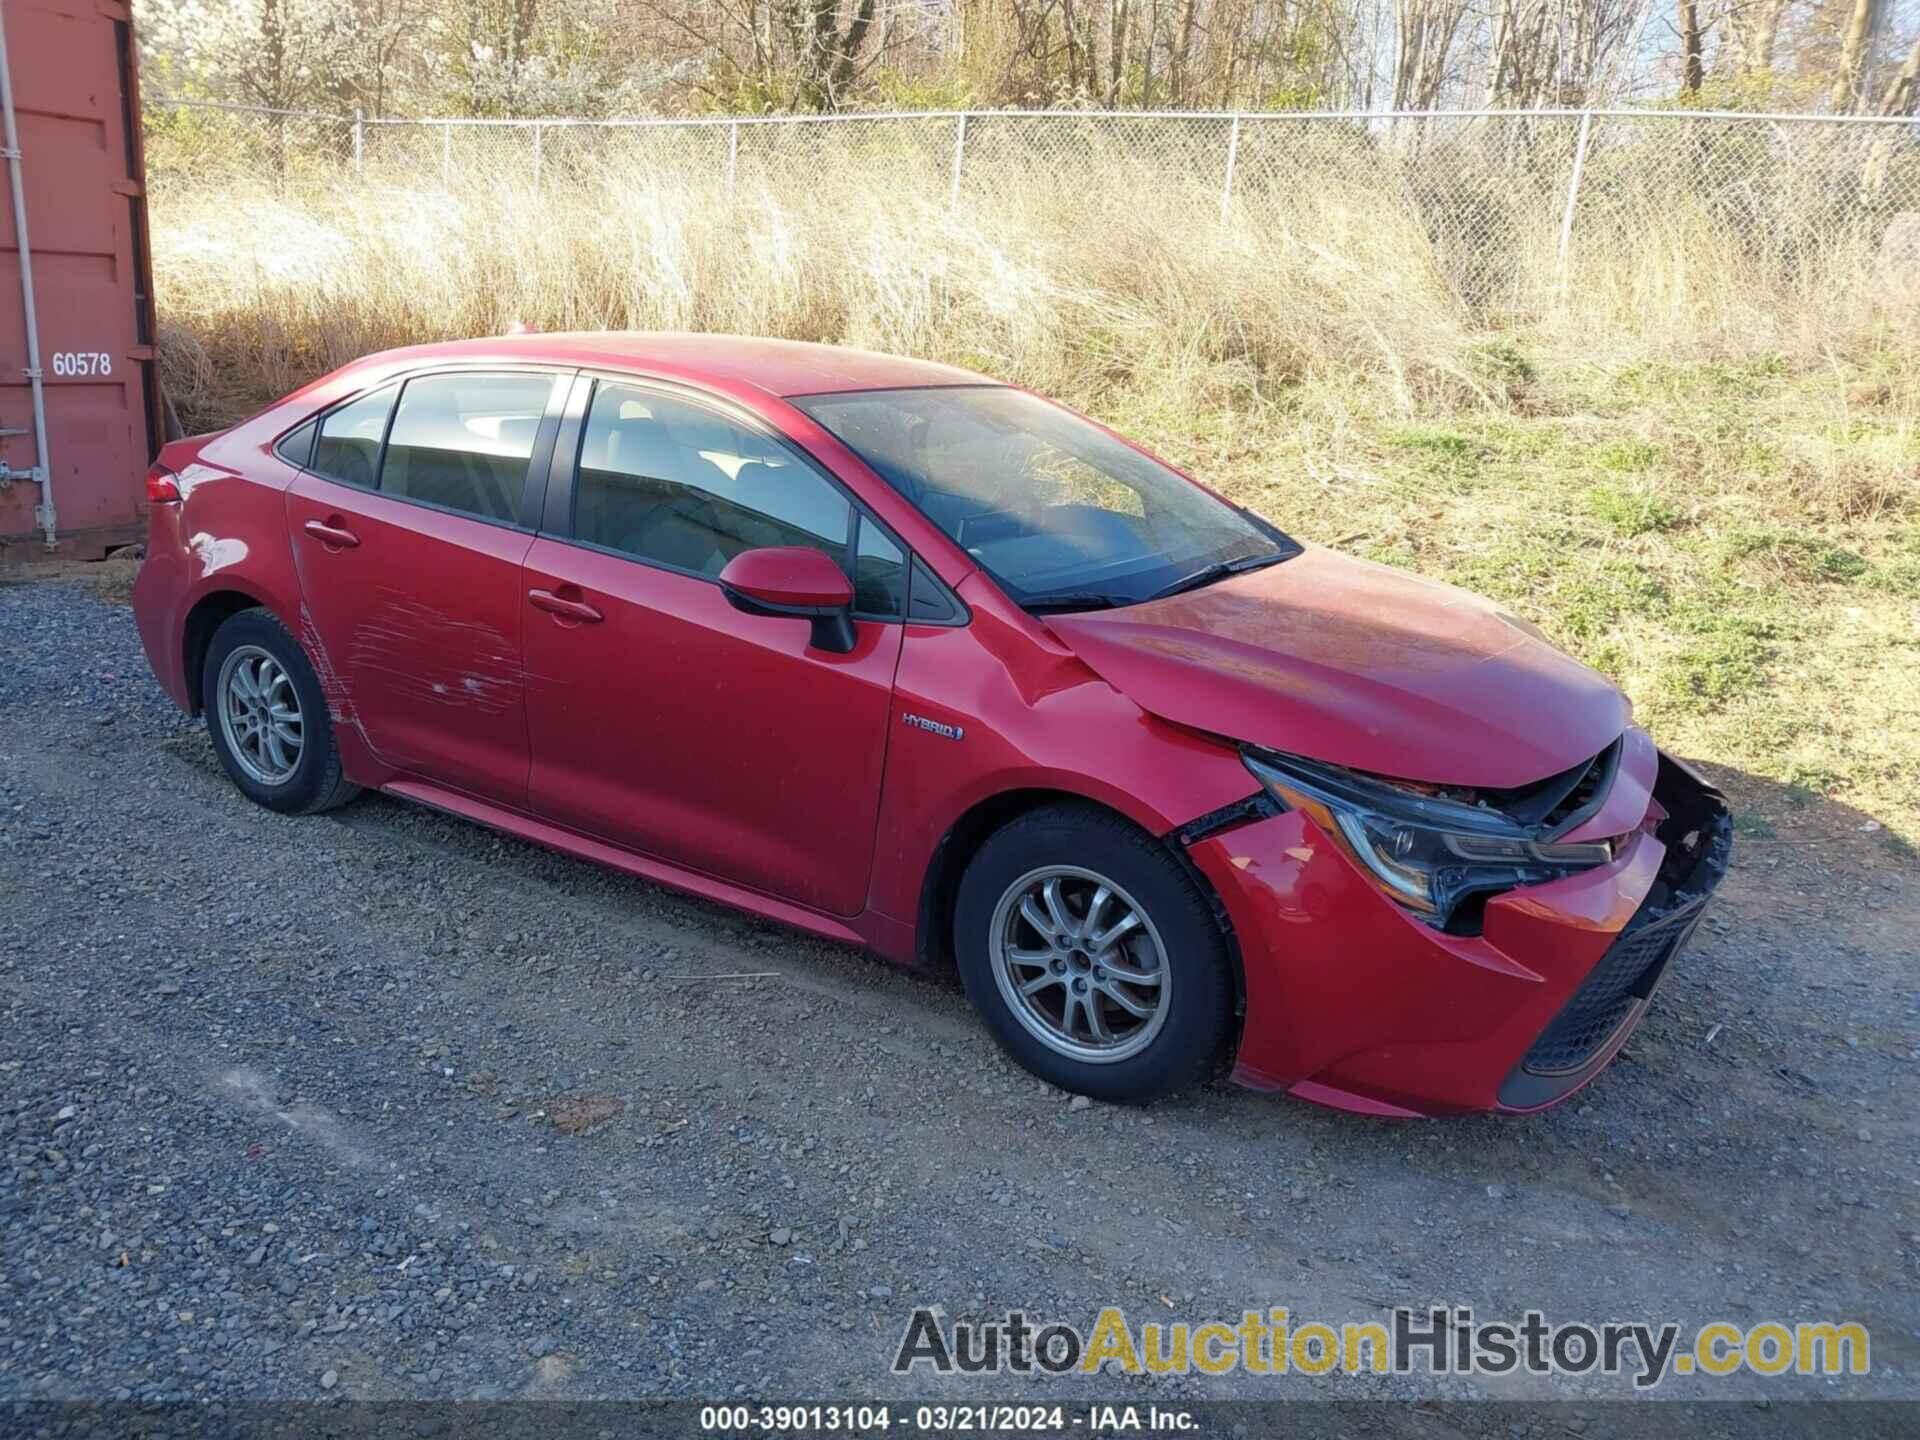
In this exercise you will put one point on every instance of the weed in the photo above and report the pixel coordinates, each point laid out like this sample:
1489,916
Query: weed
1636,511
1833,563
1626,456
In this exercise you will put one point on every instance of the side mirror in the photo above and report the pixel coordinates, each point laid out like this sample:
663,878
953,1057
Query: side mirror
798,581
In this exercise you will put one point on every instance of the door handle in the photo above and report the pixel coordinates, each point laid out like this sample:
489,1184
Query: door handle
560,605
334,536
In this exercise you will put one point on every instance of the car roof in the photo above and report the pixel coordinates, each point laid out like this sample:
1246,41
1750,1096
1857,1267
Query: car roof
775,367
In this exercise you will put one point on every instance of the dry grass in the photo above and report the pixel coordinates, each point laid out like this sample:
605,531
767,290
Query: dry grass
1697,466
1029,287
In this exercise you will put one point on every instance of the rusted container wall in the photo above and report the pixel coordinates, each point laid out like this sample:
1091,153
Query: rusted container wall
76,99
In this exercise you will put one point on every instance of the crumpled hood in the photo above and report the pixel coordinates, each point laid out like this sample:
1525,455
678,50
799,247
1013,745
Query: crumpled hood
1360,665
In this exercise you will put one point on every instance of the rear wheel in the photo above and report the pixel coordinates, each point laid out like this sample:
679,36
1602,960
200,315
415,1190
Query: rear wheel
267,718
1092,955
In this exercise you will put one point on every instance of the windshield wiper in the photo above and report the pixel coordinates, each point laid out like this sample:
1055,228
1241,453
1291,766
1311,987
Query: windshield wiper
1207,574
1084,600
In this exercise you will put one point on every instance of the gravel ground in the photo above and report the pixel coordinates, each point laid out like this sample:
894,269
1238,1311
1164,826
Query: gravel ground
381,1104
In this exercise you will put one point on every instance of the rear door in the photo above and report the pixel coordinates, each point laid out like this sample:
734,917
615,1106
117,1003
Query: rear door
672,723
409,525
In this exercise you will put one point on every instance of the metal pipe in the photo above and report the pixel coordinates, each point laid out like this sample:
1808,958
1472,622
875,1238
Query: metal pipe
959,158
1233,158
42,472
1262,117
1573,191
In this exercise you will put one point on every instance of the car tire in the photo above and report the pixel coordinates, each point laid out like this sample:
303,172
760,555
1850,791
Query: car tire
268,718
1022,976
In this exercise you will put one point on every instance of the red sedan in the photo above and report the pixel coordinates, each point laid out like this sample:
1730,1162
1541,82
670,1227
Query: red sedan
908,658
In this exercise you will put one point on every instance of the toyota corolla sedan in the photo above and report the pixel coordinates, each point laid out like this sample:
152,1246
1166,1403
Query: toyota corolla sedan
907,658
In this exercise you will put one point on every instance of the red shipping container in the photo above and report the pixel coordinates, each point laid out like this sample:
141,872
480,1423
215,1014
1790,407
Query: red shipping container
77,180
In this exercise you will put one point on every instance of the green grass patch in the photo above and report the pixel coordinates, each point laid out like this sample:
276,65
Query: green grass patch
1670,380
1636,510
1797,556
1832,563
1449,447
1742,541
1511,567
1807,779
1627,457
1729,638
1896,577
1589,605
1503,365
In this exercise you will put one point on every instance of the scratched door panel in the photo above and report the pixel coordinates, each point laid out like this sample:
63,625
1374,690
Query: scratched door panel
416,631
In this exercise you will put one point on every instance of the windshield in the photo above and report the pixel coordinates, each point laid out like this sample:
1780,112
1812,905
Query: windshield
1062,514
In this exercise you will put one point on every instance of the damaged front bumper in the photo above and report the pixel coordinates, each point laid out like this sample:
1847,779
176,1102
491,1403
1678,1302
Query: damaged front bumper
1352,1002
1697,832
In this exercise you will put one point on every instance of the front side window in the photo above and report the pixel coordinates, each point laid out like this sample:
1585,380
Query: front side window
463,442
1063,515
679,485
348,449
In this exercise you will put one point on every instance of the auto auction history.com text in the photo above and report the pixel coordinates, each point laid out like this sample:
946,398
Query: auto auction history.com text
1436,1340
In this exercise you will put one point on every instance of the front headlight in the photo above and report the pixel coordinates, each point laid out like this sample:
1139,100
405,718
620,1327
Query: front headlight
1427,852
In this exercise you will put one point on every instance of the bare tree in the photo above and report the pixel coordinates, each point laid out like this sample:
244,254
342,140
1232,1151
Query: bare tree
828,46
1903,92
1755,27
385,27
1424,34
1693,46
1849,76
530,57
1559,52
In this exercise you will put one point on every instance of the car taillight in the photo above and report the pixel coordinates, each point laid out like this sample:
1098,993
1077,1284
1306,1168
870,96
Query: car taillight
160,486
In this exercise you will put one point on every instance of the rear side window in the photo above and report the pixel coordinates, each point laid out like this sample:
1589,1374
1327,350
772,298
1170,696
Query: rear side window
463,442
296,446
349,444
681,486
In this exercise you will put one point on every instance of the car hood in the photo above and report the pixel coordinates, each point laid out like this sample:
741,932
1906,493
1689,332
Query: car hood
1360,665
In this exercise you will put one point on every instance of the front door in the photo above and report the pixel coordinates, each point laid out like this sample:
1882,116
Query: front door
407,532
673,723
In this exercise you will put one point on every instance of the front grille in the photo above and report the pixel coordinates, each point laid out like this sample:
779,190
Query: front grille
1624,977
1698,834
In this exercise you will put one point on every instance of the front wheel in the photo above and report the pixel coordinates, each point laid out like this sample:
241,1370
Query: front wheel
1093,956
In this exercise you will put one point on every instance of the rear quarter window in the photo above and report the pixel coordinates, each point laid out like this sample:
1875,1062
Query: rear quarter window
348,449
296,447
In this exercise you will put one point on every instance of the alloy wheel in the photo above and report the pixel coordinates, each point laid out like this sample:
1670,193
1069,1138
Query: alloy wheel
1080,964
260,715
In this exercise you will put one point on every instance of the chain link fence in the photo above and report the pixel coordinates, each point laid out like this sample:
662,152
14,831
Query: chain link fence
1503,197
